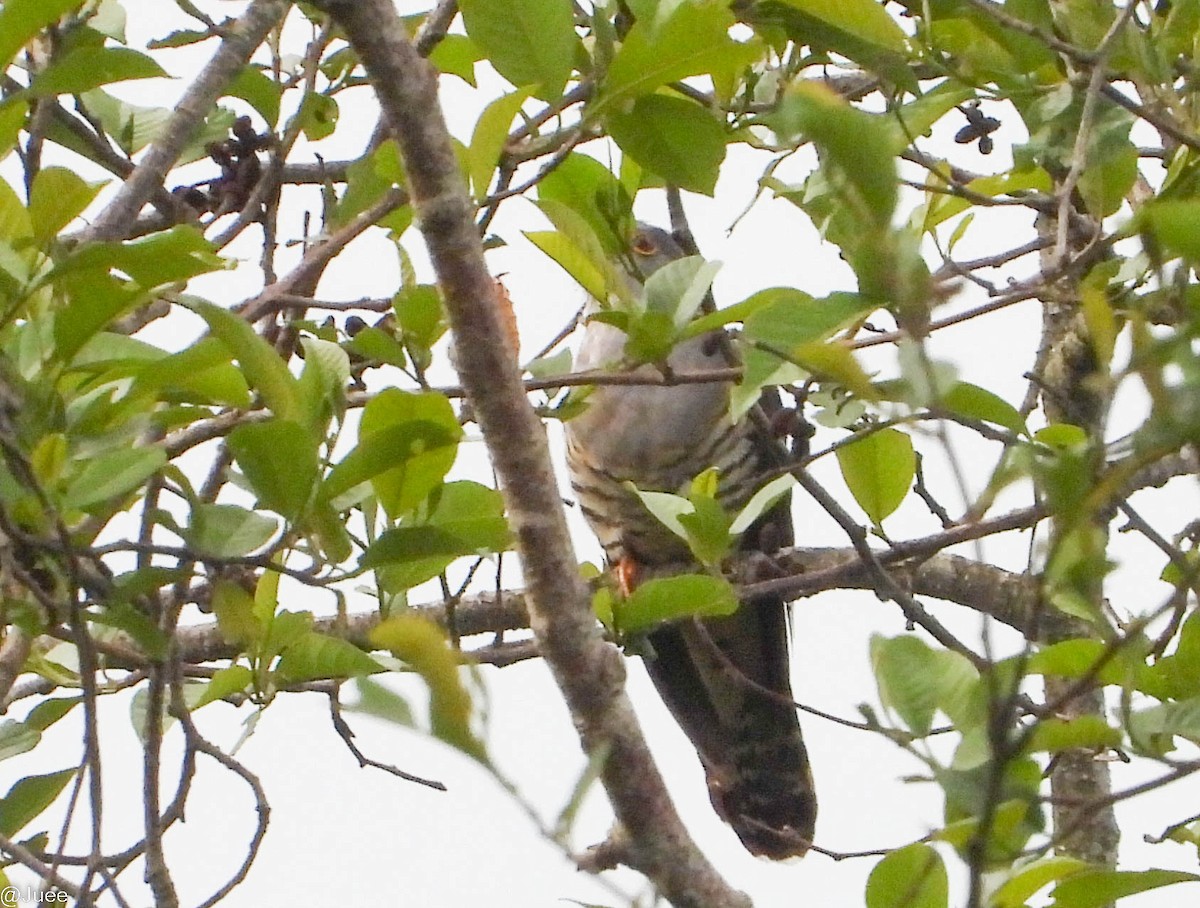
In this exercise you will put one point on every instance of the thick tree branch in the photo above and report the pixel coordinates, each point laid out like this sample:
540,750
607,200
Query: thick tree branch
589,671
1013,599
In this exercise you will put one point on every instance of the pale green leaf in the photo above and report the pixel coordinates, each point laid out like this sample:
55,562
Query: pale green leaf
28,797
111,475
488,138
279,460
1097,888
669,598
878,468
910,877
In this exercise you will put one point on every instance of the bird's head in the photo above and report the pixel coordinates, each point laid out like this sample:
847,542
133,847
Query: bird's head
650,248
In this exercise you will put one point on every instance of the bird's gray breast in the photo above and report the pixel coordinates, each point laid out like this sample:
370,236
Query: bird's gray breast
657,437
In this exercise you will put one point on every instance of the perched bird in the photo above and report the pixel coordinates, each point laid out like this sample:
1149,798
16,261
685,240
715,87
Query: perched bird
712,674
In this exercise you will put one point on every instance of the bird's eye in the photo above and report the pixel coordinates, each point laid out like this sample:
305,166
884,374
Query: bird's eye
643,245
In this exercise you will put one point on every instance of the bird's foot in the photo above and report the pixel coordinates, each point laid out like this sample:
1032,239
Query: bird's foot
626,572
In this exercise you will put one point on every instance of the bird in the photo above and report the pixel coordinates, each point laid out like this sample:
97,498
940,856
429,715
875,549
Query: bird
725,680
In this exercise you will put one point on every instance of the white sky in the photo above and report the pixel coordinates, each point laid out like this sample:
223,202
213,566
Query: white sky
344,836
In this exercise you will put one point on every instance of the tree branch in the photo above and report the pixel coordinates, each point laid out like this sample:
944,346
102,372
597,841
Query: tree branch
588,671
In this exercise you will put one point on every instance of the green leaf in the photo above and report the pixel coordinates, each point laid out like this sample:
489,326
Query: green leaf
1107,179
318,116
916,681
676,139
1013,820
1096,888
866,20
1180,671
14,220
529,42
58,197
16,738
785,319
666,507
451,539
13,111
86,67
94,299
232,679
679,287
1079,658
551,366
707,526
466,519
258,90
279,460
20,20
693,40
423,645
1155,728
974,402
578,230
49,457
407,442
29,797
420,315
878,468
667,598
457,55
488,138
381,702
568,256
155,261
49,711
111,475
856,143
367,180
140,715
910,877
831,361
1054,735
378,346
1025,882
284,630
132,127
323,382
260,362
229,531
319,656
762,501
136,623
586,186
234,610
1173,224
863,37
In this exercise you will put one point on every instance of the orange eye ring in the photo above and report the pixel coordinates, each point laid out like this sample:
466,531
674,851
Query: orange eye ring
643,245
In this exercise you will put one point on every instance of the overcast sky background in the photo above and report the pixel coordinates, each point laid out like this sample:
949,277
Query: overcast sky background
344,836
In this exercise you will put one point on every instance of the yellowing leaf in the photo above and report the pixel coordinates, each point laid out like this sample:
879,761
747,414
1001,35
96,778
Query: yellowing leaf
835,362
423,645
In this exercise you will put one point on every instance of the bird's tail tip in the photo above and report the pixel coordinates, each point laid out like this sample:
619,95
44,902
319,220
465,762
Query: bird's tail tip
773,821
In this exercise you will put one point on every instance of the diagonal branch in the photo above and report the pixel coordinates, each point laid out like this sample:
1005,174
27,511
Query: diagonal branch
588,670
